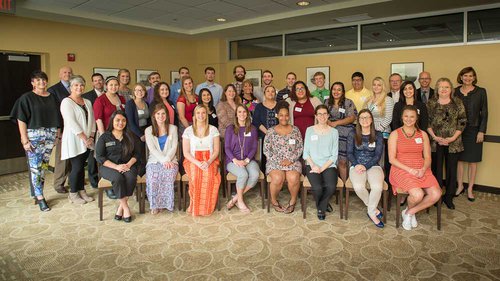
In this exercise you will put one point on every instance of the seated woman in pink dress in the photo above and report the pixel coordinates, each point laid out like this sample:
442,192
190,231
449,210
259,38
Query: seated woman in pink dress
410,157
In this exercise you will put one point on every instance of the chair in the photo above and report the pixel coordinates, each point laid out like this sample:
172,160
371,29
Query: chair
306,185
231,179
403,194
349,187
105,184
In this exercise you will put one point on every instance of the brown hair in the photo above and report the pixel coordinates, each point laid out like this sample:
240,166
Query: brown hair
467,70
237,99
143,88
248,120
293,94
156,92
154,123
183,92
410,107
359,134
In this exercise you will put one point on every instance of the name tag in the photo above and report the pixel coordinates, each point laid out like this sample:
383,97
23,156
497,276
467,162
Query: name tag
249,134
418,111
214,115
342,110
298,109
292,141
373,144
418,140
285,96
110,143
179,90
140,111
275,115
314,137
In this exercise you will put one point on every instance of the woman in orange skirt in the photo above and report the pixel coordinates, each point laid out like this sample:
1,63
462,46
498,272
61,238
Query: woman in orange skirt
410,157
201,146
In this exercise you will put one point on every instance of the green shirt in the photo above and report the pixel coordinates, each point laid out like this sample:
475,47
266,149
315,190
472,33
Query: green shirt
321,94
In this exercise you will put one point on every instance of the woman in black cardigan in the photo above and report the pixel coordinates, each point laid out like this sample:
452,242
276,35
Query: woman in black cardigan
407,97
138,117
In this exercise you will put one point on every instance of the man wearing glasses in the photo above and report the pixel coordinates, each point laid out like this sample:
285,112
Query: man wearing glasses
358,94
425,92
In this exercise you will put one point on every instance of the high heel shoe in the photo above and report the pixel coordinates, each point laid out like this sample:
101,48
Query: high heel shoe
471,199
44,207
127,219
461,192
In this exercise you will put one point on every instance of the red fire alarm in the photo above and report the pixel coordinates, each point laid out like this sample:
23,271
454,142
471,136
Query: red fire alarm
71,57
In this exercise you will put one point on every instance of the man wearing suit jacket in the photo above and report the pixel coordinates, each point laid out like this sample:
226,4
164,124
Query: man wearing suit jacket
425,92
61,90
395,81
98,90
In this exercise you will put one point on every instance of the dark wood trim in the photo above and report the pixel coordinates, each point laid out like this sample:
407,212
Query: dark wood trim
485,188
493,139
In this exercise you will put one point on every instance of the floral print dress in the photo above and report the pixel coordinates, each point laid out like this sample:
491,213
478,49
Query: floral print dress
278,148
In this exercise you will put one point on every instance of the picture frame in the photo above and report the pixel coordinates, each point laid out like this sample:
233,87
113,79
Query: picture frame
174,77
310,71
106,71
141,76
409,71
254,75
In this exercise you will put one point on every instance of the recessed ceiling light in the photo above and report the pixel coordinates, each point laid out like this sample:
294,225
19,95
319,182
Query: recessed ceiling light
221,19
303,3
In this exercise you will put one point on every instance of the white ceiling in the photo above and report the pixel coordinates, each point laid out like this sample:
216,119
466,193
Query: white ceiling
244,17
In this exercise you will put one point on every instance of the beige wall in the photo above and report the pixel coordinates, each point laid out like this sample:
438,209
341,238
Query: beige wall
93,47
109,48
439,61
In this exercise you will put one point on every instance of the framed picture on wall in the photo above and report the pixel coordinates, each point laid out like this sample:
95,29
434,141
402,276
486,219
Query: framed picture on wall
106,72
141,76
408,70
310,71
255,76
174,77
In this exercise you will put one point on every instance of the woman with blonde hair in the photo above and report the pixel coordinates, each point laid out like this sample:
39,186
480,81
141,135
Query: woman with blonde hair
381,107
124,79
201,146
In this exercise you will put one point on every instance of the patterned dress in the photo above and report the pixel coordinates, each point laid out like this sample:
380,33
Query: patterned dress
339,113
409,151
278,148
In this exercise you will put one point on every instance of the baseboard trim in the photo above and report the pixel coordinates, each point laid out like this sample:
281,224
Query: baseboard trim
485,188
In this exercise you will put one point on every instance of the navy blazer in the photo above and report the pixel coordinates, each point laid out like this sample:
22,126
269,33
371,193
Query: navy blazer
59,90
133,118
419,94
90,95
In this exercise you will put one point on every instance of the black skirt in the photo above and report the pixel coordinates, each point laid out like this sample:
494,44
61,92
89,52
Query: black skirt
473,151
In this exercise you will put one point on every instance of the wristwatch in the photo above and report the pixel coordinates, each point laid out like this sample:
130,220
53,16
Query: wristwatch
247,160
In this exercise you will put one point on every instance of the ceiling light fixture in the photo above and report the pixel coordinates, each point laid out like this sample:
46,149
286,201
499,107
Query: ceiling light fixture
221,19
303,3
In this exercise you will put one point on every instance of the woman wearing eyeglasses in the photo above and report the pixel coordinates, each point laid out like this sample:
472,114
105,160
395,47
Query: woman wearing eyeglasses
302,106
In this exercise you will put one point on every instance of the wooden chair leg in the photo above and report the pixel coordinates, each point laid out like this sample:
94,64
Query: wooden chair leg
178,187
389,196
439,214
268,198
262,192
384,219
346,203
184,191
100,199
303,201
341,208
398,211
142,197
228,190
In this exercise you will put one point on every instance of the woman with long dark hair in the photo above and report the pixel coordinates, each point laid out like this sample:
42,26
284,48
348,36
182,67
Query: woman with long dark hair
302,105
208,101
161,94
407,96
117,156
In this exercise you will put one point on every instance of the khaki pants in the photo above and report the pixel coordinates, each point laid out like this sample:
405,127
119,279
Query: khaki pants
61,168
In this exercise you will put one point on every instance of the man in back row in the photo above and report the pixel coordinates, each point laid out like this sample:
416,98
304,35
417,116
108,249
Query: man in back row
175,89
210,84
358,94
267,79
321,92
284,93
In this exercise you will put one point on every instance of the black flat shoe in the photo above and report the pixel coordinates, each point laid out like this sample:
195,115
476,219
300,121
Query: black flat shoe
450,205
127,219
118,217
471,199
321,215
111,194
329,208
43,205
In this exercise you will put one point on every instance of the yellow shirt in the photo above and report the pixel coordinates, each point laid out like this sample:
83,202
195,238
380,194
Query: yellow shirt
358,98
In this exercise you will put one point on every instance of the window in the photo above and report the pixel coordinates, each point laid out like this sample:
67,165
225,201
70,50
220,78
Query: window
413,32
483,25
322,41
256,48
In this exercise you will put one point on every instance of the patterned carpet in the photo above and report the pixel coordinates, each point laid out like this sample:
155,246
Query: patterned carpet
69,243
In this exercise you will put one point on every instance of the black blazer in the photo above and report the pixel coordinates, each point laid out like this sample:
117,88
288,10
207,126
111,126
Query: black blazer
423,117
90,95
59,90
419,94
476,107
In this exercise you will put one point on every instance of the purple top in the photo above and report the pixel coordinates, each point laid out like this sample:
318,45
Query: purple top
234,144
150,95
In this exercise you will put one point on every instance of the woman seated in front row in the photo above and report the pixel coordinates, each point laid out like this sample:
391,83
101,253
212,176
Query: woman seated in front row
117,156
162,166
201,146
283,148
321,148
410,157
364,149
240,148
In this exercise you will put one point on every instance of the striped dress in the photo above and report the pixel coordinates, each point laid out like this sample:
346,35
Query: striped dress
409,151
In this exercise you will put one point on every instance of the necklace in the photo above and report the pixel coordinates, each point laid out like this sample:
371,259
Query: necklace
241,143
406,135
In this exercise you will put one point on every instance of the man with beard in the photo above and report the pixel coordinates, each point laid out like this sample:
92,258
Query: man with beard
425,92
239,75
285,92
267,79
175,89
214,88
153,79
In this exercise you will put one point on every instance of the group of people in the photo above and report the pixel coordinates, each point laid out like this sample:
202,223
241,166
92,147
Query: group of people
402,136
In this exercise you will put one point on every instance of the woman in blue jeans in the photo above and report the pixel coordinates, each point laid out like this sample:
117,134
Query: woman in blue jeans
321,145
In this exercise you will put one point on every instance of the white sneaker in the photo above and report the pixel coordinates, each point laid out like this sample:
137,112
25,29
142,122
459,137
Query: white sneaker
414,222
406,220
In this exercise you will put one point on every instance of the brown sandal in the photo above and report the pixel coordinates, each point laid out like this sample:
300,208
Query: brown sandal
277,207
289,208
